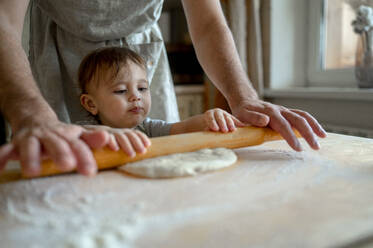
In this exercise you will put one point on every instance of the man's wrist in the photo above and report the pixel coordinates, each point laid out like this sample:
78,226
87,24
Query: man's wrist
32,121
242,93
40,114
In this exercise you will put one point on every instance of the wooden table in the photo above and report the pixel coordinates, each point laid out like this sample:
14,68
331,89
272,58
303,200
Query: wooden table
273,197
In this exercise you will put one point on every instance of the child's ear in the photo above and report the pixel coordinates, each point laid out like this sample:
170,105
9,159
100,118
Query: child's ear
88,103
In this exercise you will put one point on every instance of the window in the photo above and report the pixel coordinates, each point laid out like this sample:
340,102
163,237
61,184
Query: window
340,40
332,43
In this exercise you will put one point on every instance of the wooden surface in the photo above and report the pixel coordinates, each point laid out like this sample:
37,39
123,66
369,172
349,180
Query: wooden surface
273,197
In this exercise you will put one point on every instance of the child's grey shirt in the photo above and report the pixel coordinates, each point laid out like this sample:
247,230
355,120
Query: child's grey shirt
151,127
154,127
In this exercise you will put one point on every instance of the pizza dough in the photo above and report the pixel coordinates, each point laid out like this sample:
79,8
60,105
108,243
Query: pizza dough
182,164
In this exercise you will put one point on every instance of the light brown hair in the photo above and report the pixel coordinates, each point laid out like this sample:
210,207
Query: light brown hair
99,62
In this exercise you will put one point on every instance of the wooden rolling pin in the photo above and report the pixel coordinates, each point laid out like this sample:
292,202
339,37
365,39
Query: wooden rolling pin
242,137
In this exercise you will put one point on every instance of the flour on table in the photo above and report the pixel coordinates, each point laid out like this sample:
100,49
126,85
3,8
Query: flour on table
68,213
182,164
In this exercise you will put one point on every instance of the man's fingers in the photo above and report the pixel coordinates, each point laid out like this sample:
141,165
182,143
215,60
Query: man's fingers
254,118
231,121
316,127
59,151
281,119
29,152
237,122
85,163
281,125
6,152
67,145
303,127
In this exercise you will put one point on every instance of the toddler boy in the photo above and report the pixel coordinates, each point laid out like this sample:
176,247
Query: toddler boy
115,90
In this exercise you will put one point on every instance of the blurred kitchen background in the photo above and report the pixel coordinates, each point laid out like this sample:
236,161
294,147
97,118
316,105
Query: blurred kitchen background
298,53
195,92
191,85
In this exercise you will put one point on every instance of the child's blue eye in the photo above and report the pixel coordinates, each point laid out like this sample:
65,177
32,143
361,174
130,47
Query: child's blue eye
142,89
120,91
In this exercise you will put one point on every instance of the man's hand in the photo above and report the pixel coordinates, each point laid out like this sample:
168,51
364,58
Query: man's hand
281,119
67,145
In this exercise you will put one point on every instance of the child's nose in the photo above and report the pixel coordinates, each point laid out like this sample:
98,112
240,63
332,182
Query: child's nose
135,96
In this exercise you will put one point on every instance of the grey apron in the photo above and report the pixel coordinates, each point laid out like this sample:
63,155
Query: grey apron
62,32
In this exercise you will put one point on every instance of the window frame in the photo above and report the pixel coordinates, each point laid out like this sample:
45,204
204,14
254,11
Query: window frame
318,77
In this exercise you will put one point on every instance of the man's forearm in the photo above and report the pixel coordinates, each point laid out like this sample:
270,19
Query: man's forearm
20,98
216,50
217,54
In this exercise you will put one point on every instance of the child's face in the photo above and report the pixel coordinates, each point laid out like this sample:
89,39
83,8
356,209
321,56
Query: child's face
125,101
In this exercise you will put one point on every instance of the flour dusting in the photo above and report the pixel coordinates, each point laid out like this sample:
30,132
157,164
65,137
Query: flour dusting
68,219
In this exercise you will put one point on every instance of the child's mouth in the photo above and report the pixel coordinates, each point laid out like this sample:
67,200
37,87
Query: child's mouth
135,110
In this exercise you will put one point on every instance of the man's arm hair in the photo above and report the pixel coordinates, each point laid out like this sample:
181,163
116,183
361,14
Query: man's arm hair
20,98
216,50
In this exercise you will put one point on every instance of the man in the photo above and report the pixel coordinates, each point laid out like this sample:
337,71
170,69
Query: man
62,32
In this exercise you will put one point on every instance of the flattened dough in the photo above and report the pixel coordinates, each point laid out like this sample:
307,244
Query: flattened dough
182,164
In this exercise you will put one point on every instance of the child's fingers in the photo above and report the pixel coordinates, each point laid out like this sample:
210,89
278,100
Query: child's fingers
95,138
211,122
112,143
125,144
220,119
136,142
230,123
145,140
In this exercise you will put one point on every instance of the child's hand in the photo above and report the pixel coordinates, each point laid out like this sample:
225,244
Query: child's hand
220,120
129,140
